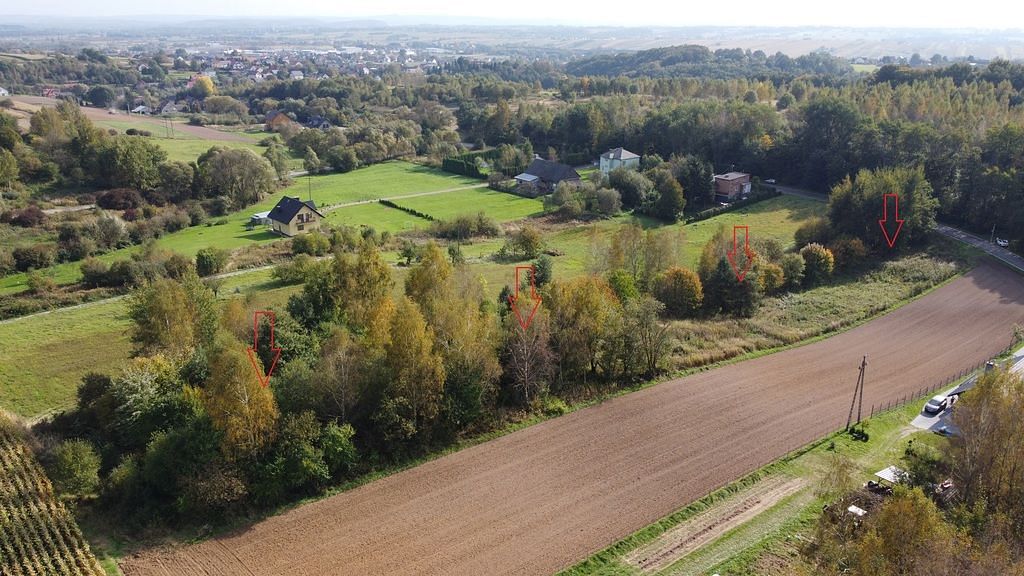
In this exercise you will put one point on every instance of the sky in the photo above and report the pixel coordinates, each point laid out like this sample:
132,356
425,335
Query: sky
998,14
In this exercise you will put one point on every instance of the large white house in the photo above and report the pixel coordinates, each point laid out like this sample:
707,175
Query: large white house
619,158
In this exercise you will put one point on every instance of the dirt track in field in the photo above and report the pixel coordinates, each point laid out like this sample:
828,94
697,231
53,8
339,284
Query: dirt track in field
541,499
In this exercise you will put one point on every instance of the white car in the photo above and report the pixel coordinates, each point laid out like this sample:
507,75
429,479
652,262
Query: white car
1002,242
936,405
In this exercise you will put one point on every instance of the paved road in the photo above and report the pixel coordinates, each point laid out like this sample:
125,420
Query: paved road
1002,254
1009,258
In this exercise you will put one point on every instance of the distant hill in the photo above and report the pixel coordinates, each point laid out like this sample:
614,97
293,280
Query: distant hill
700,61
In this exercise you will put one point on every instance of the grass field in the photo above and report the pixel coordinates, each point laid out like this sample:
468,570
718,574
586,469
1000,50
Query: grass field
501,206
181,145
377,216
46,356
377,181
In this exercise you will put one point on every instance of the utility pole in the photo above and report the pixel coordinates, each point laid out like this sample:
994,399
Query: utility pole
309,185
858,394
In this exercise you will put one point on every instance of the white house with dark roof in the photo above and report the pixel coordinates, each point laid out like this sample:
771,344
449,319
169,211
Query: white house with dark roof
291,216
619,158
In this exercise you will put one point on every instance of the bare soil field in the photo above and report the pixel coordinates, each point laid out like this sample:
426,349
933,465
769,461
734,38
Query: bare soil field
538,500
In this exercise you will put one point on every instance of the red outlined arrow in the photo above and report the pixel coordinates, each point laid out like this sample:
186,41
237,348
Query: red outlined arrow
531,307
263,378
891,240
741,274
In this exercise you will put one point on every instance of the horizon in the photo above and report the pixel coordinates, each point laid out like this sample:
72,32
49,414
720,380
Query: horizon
659,14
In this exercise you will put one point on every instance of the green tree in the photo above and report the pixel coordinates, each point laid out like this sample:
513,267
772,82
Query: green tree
277,156
211,261
310,161
670,203
238,174
634,188
527,358
792,270
75,468
856,206
646,335
133,162
8,169
101,96
172,315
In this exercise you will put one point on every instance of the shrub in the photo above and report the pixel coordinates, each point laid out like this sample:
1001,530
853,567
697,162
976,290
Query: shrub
314,244
339,450
119,199
30,217
178,266
296,271
792,270
772,278
6,262
609,202
818,264
210,261
39,283
850,253
526,242
34,256
75,468
94,272
680,290
465,226
814,231
623,284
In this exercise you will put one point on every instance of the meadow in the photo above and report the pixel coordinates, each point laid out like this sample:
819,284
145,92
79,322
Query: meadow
378,181
501,206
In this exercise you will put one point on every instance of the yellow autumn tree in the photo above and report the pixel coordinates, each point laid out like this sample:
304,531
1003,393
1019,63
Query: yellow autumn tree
239,406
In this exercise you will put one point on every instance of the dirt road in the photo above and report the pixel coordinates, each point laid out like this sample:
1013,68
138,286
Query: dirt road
542,498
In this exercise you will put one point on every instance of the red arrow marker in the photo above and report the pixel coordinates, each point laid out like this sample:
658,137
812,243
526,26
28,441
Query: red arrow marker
884,222
741,273
263,378
525,312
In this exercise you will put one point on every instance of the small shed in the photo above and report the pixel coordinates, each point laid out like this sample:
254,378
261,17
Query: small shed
891,475
259,219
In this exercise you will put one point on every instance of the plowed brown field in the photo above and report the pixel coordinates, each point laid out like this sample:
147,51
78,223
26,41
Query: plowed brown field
544,497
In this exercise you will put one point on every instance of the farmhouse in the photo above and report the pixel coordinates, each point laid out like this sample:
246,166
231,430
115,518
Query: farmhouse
731,186
4,92
276,119
542,176
291,216
619,158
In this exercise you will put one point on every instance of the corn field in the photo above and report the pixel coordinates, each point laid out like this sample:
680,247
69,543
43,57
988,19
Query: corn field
38,536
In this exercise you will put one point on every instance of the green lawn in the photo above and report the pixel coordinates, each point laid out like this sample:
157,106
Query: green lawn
377,216
45,357
501,206
377,181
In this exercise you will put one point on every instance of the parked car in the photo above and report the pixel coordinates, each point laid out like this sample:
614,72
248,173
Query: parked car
1002,242
937,404
770,181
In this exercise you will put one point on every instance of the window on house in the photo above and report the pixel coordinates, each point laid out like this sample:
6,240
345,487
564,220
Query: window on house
301,226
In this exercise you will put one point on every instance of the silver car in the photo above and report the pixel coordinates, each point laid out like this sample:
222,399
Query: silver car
936,405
